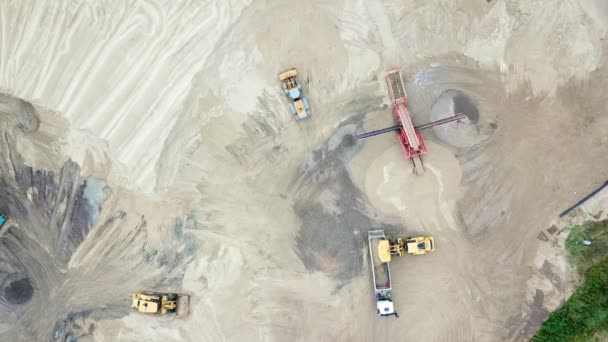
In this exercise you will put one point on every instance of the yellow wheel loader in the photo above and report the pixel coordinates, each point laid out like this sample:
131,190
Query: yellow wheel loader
418,245
293,90
157,303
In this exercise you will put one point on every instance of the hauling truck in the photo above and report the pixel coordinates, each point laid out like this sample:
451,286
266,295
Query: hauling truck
293,90
381,251
157,303
381,273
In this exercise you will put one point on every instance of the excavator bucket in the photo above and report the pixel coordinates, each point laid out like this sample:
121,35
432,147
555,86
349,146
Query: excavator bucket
288,74
384,251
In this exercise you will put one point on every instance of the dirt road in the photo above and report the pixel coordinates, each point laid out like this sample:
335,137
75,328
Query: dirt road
148,145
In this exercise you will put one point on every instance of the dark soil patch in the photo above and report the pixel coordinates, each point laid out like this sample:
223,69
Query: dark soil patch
18,291
463,104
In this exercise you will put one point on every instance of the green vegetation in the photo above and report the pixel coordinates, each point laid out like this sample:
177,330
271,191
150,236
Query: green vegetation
584,317
582,257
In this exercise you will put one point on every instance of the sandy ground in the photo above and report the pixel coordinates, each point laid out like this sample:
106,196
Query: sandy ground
147,145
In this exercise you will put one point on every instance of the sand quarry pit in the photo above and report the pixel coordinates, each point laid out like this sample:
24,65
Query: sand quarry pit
147,145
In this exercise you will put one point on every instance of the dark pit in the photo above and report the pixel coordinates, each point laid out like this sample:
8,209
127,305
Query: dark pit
465,133
18,291
349,140
463,104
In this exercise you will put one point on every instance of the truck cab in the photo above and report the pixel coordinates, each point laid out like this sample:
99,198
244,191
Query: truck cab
384,305
2,220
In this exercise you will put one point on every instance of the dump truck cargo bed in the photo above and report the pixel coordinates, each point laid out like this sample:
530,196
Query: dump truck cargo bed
382,279
380,270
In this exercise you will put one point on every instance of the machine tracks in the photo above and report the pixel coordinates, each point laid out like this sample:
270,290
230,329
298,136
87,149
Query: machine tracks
418,165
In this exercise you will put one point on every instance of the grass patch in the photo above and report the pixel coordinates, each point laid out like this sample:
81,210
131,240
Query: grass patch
582,257
584,317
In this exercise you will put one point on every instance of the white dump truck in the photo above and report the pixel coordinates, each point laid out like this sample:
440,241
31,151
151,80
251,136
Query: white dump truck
381,273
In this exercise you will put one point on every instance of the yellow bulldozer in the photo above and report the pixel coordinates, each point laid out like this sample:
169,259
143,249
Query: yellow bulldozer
413,245
161,303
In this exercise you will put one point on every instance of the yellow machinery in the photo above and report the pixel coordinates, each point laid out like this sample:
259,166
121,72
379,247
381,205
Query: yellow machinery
293,90
412,245
388,248
419,245
161,303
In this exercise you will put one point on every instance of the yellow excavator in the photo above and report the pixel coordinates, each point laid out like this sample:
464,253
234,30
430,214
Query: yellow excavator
413,245
161,303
